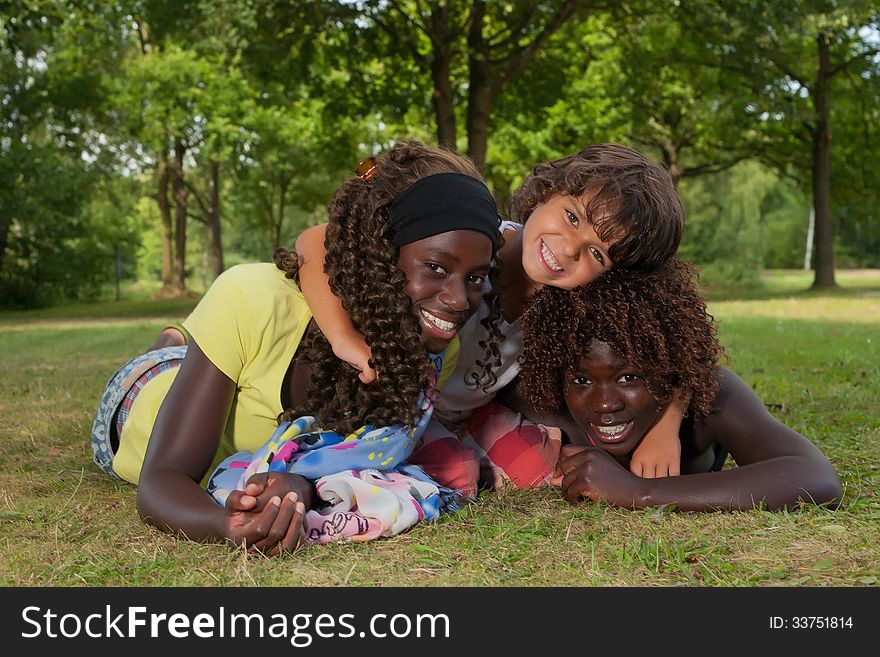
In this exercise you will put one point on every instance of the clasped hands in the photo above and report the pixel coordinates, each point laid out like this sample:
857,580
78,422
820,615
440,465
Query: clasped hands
269,514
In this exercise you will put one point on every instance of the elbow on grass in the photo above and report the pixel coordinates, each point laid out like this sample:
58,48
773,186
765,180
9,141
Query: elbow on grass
827,493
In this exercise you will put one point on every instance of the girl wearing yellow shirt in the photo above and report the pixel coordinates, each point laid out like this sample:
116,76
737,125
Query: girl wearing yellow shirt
410,247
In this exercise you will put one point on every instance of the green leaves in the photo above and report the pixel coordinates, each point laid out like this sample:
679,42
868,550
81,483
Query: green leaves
281,99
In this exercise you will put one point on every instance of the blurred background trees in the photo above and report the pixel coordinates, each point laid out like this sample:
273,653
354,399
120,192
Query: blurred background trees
165,140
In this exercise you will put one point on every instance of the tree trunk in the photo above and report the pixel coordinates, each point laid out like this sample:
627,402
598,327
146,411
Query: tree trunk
442,98
5,223
479,110
269,211
165,213
489,71
824,236
670,159
178,271
480,89
276,236
214,246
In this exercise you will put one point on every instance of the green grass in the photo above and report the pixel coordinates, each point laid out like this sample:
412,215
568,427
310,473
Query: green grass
813,357
781,283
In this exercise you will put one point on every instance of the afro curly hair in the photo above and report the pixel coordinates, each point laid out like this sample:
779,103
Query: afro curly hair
658,323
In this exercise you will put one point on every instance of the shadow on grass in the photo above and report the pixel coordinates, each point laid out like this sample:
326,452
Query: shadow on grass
785,284
141,308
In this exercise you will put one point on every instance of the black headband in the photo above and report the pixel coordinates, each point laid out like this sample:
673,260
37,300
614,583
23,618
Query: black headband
440,203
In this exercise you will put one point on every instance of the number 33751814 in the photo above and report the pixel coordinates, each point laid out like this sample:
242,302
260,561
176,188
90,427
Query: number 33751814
811,622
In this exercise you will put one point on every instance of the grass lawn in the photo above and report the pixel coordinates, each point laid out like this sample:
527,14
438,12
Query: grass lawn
813,357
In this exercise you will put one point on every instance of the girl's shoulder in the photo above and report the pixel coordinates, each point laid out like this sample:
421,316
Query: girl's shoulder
248,298
256,282
507,226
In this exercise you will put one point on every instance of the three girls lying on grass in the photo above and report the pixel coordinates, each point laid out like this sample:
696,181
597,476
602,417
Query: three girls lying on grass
612,353
411,247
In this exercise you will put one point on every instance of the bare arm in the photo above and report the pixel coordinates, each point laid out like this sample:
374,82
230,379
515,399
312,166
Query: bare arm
659,453
511,397
326,307
182,446
776,465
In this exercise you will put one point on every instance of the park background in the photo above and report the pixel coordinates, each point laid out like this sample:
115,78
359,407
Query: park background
145,146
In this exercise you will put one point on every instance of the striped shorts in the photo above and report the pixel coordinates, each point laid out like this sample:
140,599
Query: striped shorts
119,395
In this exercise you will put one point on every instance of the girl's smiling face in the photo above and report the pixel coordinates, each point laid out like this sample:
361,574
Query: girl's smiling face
560,244
610,400
446,278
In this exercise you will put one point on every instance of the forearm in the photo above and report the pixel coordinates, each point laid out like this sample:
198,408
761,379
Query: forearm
172,502
669,423
182,446
512,399
326,307
772,484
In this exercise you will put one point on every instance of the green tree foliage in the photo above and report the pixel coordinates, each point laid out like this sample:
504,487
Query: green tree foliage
734,215
685,113
472,51
290,167
785,213
220,107
560,104
193,134
50,167
790,58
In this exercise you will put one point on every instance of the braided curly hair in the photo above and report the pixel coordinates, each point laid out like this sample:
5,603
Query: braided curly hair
633,200
658,323
361,263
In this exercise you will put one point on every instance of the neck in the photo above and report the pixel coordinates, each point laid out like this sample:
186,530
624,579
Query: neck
516,286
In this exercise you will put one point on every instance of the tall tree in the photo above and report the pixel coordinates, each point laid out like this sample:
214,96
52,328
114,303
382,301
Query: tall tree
185,110
50,93
157,97
686,113
495,42
789,55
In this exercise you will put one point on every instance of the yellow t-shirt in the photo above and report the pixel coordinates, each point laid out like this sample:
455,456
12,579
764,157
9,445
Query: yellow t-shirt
249,325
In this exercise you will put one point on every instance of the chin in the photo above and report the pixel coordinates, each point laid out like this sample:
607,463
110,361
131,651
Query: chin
436,347
617,450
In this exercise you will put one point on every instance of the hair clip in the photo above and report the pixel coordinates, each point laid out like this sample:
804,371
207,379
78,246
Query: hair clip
366,169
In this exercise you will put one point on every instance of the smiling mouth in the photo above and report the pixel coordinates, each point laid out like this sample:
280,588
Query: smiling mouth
548,259
612,433
440,326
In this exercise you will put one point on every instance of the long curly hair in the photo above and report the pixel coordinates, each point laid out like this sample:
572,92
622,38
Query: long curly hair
657,322
361,263
630,201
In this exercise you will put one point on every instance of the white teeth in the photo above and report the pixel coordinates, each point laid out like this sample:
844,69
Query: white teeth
549,258
441,324
613,429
